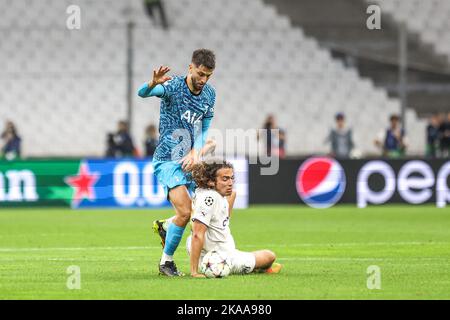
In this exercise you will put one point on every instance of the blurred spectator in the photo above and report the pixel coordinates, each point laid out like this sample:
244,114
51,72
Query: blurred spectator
120,144
445,137
150,5
282,143
151,140
340,138
433,136
11,142
275,140
393,140
110,146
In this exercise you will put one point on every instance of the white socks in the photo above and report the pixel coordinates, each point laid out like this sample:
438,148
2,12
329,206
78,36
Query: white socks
165,258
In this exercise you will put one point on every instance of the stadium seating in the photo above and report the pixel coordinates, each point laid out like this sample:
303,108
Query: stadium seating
431,20
65,89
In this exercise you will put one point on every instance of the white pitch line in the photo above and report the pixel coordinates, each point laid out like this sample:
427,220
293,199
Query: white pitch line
289,245
362,259
68,259
349,244
76,249
322,259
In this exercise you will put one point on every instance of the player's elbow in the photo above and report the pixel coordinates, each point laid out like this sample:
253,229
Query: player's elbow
197,236
142,93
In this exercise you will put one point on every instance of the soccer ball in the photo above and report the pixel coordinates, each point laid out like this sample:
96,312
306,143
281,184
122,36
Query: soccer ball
215,265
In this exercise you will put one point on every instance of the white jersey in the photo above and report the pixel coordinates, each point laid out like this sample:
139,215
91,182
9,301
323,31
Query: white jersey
211,209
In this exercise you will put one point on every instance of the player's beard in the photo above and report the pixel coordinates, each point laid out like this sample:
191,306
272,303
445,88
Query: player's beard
196,85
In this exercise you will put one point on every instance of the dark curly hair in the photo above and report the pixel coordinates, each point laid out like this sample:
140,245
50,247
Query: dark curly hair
204,57
205,172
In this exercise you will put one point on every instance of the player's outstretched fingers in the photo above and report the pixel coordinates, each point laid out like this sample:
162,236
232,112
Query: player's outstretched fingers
166,69
190,166
184,164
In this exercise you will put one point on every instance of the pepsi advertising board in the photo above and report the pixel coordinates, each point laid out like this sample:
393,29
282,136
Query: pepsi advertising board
322,182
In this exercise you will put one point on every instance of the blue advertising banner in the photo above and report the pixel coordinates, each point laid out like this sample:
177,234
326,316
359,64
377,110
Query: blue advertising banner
131,183
113,183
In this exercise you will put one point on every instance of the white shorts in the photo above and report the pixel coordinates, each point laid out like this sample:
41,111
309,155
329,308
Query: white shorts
241,262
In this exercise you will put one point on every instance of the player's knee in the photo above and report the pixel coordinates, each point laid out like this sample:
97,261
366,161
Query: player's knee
270,256
184,215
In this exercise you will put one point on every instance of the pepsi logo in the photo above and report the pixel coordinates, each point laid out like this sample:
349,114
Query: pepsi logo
320,182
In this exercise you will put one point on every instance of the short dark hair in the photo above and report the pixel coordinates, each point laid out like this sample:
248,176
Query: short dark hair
205,172
340,116
204,57
394,117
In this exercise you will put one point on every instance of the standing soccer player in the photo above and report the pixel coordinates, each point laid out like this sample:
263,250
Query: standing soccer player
186,111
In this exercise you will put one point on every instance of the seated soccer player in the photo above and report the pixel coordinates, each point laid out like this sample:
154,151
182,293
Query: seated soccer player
212,204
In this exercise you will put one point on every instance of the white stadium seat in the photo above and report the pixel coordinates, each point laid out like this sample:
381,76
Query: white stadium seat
65,89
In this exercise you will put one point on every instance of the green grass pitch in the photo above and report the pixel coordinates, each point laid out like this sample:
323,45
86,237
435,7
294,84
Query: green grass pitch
325,254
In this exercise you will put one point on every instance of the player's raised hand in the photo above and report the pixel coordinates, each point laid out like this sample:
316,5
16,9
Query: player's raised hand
159,76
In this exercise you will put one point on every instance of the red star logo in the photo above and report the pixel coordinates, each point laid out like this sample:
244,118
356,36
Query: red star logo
83,184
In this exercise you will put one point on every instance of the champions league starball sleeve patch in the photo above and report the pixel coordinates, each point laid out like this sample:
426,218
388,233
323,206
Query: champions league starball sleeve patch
209,201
